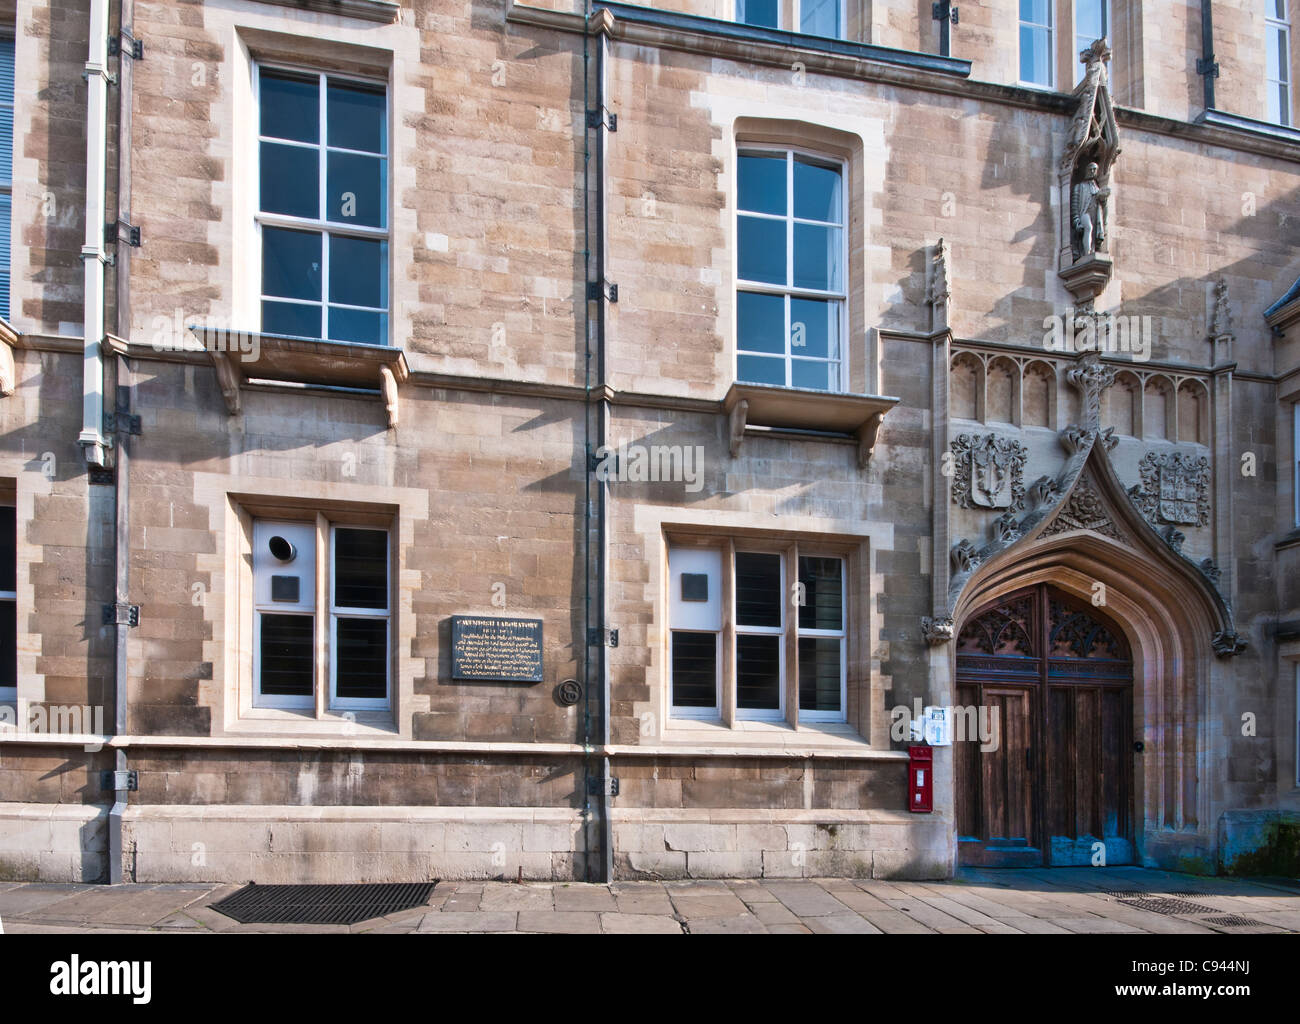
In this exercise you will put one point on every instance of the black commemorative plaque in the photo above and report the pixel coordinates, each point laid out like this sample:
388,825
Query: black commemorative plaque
488,647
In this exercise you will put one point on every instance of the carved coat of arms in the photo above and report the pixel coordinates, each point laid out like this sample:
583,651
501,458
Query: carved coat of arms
1175,488
988,471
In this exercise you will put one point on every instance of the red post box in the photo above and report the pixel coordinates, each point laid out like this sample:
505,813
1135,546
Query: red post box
920,779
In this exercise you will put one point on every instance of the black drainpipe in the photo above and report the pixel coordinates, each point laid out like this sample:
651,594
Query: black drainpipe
118,870
1207,67
595,669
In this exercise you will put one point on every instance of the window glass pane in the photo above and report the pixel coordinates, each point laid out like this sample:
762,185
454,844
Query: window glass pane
290,107
817,257
758,589
1278,9
766,13
291,264
361,658
819,673
8,644
1090,20
357,117
816,192
6,140
760,321
1034,55
360,568
762,250
695,669
1036,11
762,183
815,328
357,189
358,326
290,180
358,272
295,319
761,370
820,18
815,375
8,546
1274,53
286,653
823,593
758,672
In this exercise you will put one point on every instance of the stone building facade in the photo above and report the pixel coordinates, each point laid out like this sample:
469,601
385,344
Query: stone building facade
795,369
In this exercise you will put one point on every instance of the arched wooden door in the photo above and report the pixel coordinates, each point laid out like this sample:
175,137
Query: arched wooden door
1059,678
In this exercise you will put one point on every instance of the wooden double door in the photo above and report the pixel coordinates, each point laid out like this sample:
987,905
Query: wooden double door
1057,679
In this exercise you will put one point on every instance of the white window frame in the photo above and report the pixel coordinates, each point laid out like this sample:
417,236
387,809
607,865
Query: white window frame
1296,710
1274,26
795,10
1081,44
1051,44
336,612
714,713
1295,463
762,714
841,634
322,225
332,702
9,694
790,291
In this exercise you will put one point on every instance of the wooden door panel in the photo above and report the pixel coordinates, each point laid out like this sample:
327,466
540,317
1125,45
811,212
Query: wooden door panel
1060,679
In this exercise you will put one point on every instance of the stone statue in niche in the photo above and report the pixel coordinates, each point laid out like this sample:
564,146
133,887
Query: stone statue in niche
1088,212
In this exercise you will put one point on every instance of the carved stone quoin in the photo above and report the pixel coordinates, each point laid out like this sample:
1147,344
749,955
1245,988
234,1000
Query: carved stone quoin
1175,488
988,471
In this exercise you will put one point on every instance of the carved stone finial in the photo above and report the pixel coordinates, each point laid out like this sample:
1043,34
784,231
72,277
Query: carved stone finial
937,631
1097,54
1006,528
1042,492
1091,377
938,287
964,557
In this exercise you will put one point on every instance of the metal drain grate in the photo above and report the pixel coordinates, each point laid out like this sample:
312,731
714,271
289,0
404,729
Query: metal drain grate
1167,906
321,904
1126,894
1190,893
1234,921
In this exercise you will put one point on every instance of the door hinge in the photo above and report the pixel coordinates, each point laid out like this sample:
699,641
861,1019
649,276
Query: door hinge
135,50
112,781
597,637
121,615
602,787
130,234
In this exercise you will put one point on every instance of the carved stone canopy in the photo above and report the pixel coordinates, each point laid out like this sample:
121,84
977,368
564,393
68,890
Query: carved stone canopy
1090,152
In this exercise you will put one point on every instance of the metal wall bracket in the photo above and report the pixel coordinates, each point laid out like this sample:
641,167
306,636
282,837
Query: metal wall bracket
602,637
1208,66
112,781
121,423
135,50
121,615
943,11
602,787
130,234
594,120
596,291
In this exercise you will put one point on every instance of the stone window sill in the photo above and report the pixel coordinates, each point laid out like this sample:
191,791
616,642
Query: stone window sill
820,415
241,358
382,11
280,722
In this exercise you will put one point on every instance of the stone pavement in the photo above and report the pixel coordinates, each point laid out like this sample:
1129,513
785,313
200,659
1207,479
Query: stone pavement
1057,901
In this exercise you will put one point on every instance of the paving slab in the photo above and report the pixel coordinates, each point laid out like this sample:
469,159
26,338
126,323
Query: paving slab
559,922
593,898
639,924
807,899
842,924
456,921
746,924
